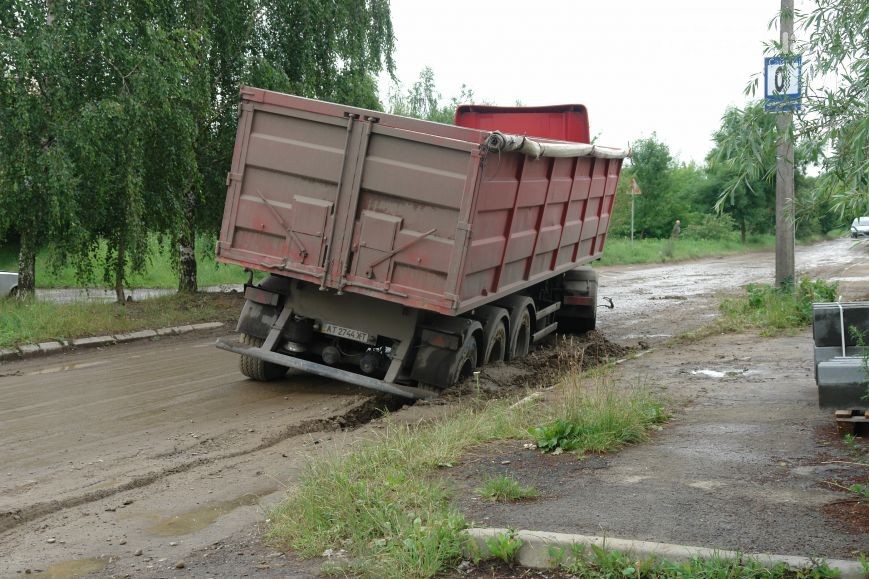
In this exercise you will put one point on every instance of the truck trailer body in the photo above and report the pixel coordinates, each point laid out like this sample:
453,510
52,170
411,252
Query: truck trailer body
404,253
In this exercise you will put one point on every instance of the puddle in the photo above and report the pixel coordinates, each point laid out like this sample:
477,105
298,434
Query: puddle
75,568
56,369
200,517
720,373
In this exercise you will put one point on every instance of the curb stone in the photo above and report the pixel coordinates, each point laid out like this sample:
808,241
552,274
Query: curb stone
540,549
56,347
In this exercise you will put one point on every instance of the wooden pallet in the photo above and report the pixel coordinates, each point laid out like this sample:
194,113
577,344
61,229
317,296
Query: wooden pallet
852,421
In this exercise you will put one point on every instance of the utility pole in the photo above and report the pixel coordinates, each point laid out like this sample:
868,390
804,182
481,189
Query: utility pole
784,181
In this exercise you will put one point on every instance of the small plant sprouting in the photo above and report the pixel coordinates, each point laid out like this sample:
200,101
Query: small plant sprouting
505,546
504,488
861,490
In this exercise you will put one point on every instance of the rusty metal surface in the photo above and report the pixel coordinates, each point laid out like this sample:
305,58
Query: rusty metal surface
409,211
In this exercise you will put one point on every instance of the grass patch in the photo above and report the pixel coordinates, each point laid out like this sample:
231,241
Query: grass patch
160,272
775,310
600,419
504,489
620,251
29,321
598,563
383,503
771,310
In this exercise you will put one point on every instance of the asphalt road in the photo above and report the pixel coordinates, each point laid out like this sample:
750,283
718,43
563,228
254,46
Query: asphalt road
164,447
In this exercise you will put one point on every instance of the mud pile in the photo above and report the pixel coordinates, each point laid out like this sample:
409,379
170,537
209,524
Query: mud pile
546,365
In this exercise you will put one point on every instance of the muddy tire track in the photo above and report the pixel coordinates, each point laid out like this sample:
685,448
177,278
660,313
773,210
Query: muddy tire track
360,414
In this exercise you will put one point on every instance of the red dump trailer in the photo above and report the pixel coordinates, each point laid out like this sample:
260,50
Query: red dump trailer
402,253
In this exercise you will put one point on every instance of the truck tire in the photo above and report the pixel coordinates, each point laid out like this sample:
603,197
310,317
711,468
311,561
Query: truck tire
495,340
522,344
257,369
496,345
464,362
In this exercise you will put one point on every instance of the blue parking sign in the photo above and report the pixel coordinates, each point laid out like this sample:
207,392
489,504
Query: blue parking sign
782,83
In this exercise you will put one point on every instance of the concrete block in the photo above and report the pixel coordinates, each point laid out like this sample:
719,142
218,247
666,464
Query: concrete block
93,341
50,347
131,336
207,326
7,354
166,332
842,383
827,326
183,329
28,350
541,550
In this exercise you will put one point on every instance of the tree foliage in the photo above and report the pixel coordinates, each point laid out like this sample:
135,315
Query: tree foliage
657,208
832,37
118,118
742,166
423,100
835,113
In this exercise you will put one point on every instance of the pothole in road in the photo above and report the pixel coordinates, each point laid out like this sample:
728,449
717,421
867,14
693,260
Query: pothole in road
74,568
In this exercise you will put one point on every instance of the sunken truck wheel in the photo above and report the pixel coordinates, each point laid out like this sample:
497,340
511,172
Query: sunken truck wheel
464,362
257,369
494,340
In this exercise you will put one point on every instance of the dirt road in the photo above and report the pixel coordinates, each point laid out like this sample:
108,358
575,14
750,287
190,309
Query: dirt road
140,442
660,301
132,459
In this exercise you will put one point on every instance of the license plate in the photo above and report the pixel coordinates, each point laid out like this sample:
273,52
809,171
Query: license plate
349,333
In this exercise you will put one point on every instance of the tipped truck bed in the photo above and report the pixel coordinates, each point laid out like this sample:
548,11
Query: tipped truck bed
416,213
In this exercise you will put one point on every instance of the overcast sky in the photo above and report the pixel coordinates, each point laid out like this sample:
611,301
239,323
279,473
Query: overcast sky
669,66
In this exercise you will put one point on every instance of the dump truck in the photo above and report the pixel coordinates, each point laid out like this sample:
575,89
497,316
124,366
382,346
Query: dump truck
402,254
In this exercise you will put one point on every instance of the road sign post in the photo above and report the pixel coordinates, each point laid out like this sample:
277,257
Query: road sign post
782,89
635,190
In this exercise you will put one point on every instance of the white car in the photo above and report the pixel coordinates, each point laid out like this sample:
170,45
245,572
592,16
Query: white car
8,283
860,227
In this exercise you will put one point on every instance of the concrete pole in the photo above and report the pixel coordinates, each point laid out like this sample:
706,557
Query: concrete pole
784,181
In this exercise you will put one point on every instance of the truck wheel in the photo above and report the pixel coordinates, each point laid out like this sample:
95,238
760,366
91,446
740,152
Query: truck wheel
523,336
495,340
257,369
496,347
465,361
